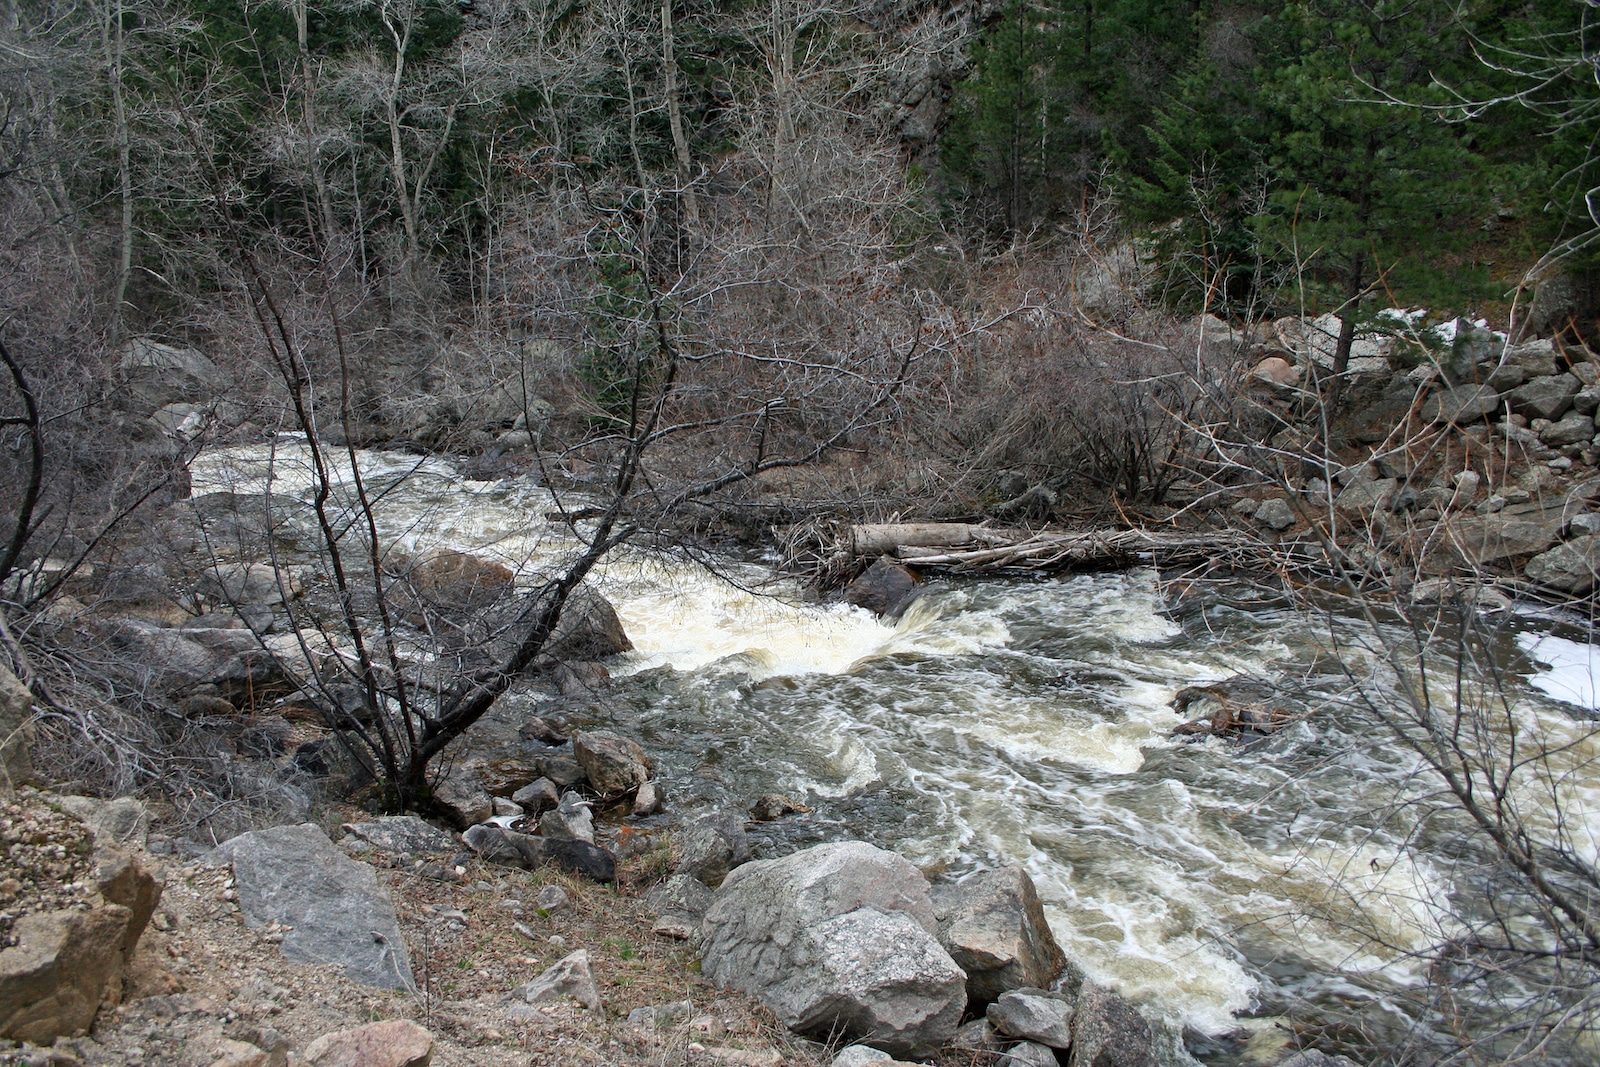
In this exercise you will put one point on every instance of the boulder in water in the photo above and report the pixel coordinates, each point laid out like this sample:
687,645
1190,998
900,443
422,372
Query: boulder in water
838,940
589,629
994,927
612,763
883,588
1108,1032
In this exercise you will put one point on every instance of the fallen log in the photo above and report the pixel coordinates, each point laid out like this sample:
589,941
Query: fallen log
957,546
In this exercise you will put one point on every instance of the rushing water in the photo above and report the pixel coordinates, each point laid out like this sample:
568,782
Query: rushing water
1027,722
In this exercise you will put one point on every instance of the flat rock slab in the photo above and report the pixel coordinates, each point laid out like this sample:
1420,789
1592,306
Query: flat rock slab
339,911
402,834
396,1043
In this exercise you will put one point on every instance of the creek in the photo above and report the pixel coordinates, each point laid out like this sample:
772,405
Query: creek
1218,883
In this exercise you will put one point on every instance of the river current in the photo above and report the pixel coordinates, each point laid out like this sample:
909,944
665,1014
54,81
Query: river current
1219,884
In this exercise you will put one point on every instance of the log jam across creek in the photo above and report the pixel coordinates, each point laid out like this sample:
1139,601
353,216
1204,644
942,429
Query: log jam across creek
1023,720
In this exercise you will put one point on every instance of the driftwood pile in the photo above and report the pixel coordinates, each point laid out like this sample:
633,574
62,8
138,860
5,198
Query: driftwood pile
965,547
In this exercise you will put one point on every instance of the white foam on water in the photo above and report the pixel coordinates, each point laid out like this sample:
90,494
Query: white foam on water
1569,668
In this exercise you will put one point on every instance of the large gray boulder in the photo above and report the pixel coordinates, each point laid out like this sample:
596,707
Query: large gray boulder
838,940
335,908
993,926
1570,567
155,375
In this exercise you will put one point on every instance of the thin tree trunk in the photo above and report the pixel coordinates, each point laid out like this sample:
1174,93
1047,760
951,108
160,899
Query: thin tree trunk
308,116
680,143
114,42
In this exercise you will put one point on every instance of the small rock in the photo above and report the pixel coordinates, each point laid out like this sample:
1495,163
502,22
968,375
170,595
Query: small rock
1587,523
1572,567
239,1054
860,1056
710,847
1464,404
1275,370
1033,1016
570,821
502,806
649,799
395,1043
460,795
772,806
538,795
659,1016
1030,1054
541,731
564,772
1560,463
679,903
978,1036
1313,1058
1275,514
569,977
552,898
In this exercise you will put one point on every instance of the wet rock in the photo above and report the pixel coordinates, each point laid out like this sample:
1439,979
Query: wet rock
1465,404
680,903
397,834
575,679
1313,1058
455,583
541,730
1544,397
335,908
62,965
589,629
649,799
459,795
16,732
507,847
1108,1032
1033,1015
570,820
994,927
564,772
1572,567
536,796
613,763
569,977
1275,514
838,940
710,847
770,807
1029,1054
395,1043
883,588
